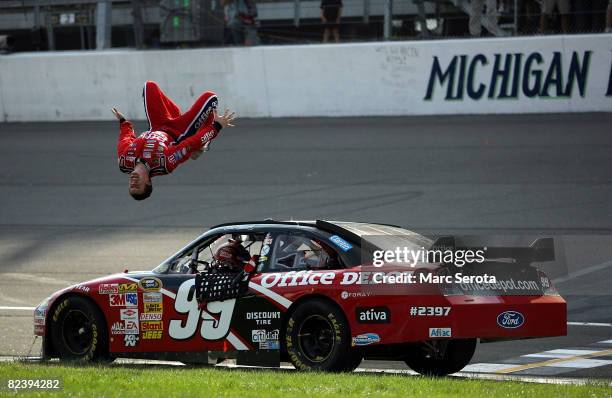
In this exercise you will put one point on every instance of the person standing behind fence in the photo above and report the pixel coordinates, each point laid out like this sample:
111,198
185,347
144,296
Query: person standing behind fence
241,20
331,11
548,6
475,23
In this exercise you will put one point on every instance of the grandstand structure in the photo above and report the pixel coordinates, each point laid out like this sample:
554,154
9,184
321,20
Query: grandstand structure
98,24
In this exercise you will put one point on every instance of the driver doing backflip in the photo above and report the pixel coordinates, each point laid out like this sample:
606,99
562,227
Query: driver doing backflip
172,138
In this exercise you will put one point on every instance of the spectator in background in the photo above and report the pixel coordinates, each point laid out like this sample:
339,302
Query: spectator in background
529,16
475,23
331,11
548,6
241,21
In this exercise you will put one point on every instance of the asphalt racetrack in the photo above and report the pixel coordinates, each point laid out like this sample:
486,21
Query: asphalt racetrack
66,215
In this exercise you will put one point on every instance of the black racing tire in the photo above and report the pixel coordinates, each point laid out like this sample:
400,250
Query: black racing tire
78,330
457,355
318,337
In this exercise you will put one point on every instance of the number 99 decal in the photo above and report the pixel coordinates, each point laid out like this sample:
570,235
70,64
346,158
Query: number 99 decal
216,318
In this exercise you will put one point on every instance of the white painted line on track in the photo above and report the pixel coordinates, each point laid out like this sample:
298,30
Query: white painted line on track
582,272
609,325
486,367
582,363
12,308
35,278
563,353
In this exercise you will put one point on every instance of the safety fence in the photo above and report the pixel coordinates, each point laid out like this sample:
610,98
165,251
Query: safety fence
89,24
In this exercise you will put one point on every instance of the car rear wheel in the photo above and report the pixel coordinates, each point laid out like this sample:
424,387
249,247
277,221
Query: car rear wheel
77,330
318,338
455,357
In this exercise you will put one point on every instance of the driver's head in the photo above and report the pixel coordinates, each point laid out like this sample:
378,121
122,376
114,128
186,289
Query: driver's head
140,186
232,254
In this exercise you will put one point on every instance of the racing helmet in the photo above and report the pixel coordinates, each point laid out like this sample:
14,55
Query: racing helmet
232,255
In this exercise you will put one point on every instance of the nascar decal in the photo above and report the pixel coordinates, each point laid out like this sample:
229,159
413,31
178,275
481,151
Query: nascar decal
150,284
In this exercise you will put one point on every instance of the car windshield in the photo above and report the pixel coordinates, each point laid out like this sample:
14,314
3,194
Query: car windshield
186,261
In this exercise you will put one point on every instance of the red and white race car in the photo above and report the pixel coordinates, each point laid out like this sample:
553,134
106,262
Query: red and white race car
312,293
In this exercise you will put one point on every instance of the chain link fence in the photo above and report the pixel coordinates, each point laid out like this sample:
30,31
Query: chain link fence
31,25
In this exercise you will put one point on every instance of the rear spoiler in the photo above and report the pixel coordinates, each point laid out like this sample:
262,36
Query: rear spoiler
541,250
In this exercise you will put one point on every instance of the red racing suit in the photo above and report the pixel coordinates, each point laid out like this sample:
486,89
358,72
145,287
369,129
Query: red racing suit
172,136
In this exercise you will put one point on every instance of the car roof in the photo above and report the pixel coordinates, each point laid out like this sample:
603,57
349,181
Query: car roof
352,231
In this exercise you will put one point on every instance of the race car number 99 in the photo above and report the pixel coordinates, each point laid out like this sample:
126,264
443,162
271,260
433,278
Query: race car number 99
216,318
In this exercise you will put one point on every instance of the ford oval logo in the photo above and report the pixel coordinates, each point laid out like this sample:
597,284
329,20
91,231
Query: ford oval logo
510,319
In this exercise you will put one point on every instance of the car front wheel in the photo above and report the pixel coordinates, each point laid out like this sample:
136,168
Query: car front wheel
77,330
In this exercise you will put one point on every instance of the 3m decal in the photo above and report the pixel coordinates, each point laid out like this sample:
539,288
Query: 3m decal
123,300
